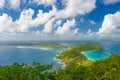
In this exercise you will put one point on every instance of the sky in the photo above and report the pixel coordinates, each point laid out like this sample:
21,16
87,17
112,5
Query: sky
59,20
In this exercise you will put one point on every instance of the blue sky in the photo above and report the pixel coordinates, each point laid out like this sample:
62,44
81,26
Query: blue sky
59,20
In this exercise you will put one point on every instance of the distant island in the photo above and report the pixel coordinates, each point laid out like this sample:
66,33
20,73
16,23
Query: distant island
48,45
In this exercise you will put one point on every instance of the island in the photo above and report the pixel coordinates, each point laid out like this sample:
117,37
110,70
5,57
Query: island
47,45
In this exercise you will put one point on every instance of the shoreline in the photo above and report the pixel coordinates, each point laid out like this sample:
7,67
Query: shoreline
93,57
34,47
59,61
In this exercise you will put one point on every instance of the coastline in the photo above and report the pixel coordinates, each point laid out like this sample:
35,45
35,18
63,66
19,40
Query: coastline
59,61
34,47
93,54
82,52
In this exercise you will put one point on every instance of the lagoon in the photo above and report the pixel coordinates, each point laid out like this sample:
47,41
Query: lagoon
97,54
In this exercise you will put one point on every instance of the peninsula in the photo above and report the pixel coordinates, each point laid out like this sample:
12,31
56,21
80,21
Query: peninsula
74,56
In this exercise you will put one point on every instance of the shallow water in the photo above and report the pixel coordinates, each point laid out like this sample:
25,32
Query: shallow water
97,54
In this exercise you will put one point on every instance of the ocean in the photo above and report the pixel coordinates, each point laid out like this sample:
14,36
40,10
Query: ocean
30,54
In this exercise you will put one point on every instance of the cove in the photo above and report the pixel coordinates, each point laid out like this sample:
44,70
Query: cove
97,54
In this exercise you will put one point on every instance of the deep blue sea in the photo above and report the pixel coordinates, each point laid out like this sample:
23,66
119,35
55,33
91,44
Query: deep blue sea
30,54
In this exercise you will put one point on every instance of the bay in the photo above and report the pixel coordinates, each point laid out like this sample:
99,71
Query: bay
30,54
110,48
97,54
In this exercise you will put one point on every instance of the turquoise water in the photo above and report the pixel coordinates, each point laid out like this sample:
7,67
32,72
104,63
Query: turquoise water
97,54
30,54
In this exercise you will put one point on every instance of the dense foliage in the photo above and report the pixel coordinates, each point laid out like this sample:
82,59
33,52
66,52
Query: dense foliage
24,72
107,69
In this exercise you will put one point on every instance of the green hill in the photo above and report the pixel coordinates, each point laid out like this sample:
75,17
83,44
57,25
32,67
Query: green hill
106,69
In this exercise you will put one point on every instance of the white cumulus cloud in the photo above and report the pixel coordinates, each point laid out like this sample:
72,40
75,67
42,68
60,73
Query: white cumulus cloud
111,24
76,7
110,1
67,28
44,2
14,4
25,21
6,24
2,3
48,27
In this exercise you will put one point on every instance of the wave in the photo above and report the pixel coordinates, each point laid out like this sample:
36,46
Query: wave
59,62
33,47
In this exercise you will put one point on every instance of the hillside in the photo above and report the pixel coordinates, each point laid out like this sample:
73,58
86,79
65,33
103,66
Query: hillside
106,69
